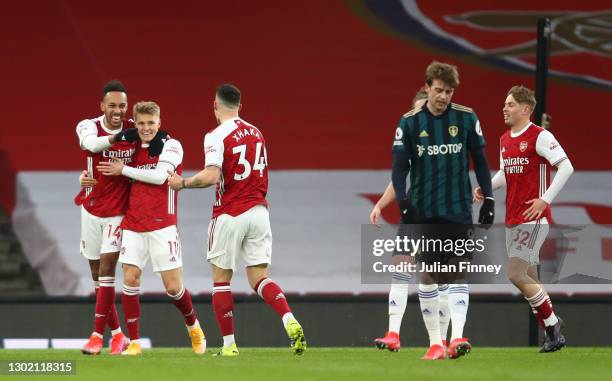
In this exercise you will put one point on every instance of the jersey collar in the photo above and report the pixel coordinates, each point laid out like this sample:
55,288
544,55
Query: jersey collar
514,135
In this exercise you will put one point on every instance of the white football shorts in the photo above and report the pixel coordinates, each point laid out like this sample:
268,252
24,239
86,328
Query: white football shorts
162,246
525,240
247,236
99,235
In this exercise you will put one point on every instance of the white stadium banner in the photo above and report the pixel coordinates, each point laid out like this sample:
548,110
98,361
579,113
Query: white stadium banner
316,221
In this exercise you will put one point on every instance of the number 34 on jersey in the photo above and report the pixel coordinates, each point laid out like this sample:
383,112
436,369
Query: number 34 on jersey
239,149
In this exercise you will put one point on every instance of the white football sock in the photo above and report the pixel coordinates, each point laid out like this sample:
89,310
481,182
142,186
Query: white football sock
398,297
228,340
429,300
444,310
458,303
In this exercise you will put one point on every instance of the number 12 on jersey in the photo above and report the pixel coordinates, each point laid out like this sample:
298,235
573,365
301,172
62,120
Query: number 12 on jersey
261,160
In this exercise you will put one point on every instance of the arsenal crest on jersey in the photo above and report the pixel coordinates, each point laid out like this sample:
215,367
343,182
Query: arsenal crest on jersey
523,146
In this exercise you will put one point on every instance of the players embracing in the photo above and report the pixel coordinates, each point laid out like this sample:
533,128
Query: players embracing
103,203
150,224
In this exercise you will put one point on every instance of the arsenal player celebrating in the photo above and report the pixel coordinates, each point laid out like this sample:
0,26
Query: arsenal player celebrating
149,226
527,153
103,204
236,161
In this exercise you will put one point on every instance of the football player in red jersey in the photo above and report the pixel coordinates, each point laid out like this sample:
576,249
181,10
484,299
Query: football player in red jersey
149,225
103,205
236,161
527,153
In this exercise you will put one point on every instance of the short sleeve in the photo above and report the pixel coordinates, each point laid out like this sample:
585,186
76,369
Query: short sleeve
475,136
172,153
213,150
401,142
86,128
548,147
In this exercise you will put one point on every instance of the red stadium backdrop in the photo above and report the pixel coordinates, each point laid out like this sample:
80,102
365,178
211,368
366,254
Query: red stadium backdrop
325,80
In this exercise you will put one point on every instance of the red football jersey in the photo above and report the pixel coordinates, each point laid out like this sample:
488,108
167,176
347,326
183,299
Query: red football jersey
239,149
151,206
109,197
526,158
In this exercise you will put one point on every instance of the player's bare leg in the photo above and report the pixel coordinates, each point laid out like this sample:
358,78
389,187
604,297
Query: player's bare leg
223,305
429,301
130,302
181,298
398,297
106,310
535,294
95,343
274,297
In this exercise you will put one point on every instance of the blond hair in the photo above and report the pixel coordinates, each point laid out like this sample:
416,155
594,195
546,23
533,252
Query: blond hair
444,72
523,95
149,108
421,94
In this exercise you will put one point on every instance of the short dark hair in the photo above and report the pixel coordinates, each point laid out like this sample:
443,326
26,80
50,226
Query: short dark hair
113,85
229,94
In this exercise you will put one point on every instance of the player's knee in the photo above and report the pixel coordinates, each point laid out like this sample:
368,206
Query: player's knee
107,268
515,277
131,276
173,289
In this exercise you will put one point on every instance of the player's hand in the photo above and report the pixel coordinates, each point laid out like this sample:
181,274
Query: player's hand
487,212
114,167
127,135
85,181
534,212
175,181
375,215
408,213
478,196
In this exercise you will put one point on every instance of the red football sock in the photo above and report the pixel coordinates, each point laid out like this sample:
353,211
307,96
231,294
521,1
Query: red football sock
538,318
273,295
182,301
541,303
105,297
112,319
130,301
223,305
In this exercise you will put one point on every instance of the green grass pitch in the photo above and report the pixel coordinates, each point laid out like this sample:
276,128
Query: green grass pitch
270,364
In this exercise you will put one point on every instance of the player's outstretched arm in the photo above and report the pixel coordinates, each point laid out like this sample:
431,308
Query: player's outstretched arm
203,179
382,203
483,176
498,181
